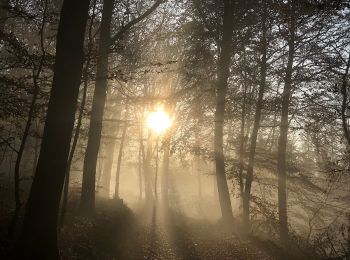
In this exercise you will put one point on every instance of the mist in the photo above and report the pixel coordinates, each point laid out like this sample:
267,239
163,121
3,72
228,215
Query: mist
165,129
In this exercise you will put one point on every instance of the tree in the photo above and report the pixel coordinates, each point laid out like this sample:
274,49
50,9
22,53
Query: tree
37,69
113,130
106,41
79,119
284,126
223,71
258,110
345,102
38,239
120,154
98,104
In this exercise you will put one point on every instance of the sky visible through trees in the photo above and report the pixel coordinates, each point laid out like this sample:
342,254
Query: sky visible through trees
164,129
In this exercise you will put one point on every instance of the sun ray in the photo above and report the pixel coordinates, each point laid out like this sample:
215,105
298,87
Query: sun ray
158,121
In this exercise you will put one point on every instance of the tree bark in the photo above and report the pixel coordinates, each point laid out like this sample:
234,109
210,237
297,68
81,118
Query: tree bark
120,155
107,169
256,126
110,148
79,122
98,104
223,74
36,147
36,75
38,239
140,161
147,170
90,160
242,140
165,171
196,162
140,173
283,139
344,92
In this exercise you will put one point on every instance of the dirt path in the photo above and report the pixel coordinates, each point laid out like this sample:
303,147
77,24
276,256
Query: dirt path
179,238
123,235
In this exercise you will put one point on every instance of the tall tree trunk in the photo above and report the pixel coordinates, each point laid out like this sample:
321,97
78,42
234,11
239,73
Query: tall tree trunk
79,122
147,174
110,152
36,147
140,170
198,114
165,171
38,239
256,126
98,104
344,106
156,172
90,160
120,155
99,167
36,75
140,162
283,139
107,169
223,74
242,140
197,172
18,163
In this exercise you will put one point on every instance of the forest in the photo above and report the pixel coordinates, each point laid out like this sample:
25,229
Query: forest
174,129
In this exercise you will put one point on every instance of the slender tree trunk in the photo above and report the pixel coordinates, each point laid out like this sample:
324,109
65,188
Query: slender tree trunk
38,239
99,170
283,139
141,153
271,138
256,126
120,155
242,141
107,168
18,163
98,104
344,92
223,74
198,114
110,148
70,157
79,122
196,165
80,118
36,148
156,172
140,173
165,171
147,170
36,75
90,160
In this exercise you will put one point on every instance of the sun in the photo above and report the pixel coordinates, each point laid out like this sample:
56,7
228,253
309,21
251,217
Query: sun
158,121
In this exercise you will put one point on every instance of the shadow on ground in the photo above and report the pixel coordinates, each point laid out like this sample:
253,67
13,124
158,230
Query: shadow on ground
116,232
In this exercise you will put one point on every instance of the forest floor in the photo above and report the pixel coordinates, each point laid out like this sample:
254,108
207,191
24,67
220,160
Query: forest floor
117,233
148,234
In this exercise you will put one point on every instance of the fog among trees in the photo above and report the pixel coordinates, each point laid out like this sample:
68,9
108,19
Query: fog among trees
174,129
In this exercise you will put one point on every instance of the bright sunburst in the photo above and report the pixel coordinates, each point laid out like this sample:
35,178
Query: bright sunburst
158,121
